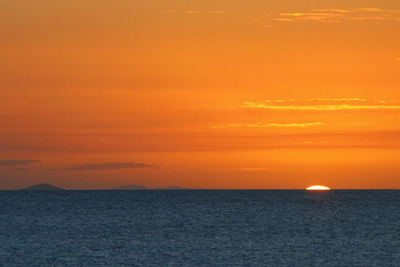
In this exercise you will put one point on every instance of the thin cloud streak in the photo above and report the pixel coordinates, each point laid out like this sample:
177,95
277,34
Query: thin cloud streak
336,15
228,125
370,9
266,125
335,10
192,11
13,163
320,107
318,99
286,125
323,104
110,166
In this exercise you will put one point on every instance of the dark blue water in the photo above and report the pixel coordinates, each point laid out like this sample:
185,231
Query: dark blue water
200,228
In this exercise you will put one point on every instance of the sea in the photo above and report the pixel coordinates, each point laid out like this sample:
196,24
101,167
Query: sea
200,228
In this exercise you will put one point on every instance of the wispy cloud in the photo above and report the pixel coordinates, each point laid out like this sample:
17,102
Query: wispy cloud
285,19
292,14
192,11
319,104
13,163
356,99
321,107
110,166
286,125
370,9
337,15
339,99
266,125
333,10
231,125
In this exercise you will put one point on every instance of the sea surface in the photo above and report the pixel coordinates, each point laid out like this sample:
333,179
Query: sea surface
200,228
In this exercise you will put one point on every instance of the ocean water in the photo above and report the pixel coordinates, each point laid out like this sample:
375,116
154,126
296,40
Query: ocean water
200,228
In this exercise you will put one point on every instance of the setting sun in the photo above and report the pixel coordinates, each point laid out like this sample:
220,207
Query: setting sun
318,188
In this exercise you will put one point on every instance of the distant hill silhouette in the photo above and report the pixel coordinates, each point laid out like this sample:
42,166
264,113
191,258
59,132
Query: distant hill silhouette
131,187
43,187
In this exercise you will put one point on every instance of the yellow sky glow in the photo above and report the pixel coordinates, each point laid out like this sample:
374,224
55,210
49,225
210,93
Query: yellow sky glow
200,94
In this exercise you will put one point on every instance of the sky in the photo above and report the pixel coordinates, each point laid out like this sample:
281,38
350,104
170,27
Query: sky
228,94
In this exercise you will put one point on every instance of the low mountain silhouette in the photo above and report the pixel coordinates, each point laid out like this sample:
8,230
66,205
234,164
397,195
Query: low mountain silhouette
131,187
43,187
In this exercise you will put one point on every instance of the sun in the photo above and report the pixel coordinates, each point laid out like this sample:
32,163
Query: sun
318,188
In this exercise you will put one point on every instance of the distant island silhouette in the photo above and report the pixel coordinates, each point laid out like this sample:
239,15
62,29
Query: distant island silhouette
43,187
49,187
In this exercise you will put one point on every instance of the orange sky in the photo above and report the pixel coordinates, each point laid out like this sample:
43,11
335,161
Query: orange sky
200,94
